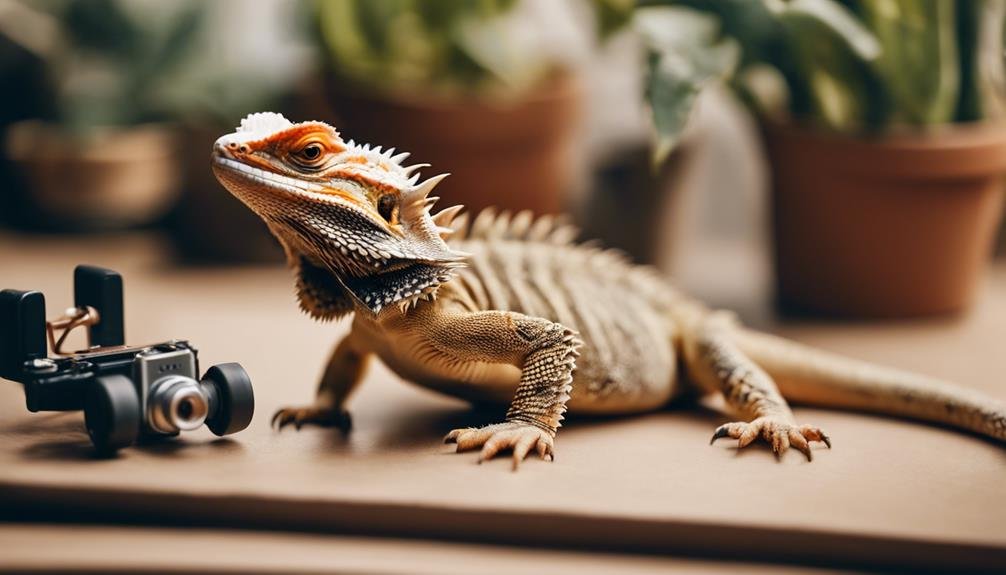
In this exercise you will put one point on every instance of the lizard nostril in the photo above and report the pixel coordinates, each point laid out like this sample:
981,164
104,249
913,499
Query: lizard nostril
232,145
243,149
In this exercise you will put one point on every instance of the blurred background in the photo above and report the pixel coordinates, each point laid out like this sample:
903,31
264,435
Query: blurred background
840,157
820,158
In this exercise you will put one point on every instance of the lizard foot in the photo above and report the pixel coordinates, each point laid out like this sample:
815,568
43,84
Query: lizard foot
520,437
312,415
779,433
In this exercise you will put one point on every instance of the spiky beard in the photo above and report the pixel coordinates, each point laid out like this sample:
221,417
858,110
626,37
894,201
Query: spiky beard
375,269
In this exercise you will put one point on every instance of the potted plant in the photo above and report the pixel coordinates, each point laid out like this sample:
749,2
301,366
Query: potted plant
477,89
103,153
882,127
209,100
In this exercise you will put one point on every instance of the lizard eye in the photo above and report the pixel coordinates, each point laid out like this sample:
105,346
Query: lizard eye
311,152
386,206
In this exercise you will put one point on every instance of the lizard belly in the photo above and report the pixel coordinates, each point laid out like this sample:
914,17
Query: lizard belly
496,383
476,382
414,359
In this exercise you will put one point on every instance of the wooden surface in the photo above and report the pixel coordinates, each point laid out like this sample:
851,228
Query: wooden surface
889,493
109,549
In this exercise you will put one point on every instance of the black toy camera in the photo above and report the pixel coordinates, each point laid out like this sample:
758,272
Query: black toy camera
126,392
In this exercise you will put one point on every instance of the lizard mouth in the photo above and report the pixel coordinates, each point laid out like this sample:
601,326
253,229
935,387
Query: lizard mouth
246,181
265,178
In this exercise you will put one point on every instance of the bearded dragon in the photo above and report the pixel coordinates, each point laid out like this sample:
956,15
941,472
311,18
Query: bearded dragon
512,309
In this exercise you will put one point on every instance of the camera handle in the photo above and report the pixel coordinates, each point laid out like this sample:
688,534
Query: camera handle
22,331
23,327
101,290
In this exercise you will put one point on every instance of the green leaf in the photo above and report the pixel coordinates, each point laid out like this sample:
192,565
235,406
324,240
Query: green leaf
980,28
686,53
179,39
919,63
612,15
831,16
749,22
830,58
102,25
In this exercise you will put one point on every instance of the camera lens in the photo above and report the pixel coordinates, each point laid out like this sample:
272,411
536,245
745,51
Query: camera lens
176,403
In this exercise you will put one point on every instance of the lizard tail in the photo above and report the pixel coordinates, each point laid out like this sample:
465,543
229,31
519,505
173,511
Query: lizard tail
814,377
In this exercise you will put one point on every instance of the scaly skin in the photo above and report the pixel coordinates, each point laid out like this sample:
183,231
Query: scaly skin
511,309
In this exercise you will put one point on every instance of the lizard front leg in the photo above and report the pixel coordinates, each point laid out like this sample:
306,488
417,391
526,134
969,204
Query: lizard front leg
546,353
718,365
342,375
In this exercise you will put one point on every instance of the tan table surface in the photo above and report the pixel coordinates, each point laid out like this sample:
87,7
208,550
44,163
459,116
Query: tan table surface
890,492
105,549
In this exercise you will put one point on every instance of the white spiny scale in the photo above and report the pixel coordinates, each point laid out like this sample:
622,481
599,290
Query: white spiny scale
423,189
541,228
446,216
377,150
460,225
483,223
409,169
501,225
521,223
400,157
264,123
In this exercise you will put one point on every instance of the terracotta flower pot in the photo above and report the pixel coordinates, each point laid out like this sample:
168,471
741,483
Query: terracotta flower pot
513,154
889,227
1001,246
647,202
121,177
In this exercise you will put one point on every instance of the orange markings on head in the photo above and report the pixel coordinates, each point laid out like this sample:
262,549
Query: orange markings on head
347,196
295,139
364,180
323,137
258,161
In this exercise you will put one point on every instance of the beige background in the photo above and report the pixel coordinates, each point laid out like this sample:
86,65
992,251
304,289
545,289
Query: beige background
890,492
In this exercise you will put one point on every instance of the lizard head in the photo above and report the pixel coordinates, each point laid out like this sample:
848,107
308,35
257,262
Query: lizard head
353,220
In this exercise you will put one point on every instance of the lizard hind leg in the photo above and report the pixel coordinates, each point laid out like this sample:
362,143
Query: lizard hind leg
718,365
815,377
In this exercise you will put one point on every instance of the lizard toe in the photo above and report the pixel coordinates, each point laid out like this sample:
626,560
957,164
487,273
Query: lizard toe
312,415
521,438
779,433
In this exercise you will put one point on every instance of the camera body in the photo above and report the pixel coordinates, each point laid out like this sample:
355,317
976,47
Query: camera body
127,393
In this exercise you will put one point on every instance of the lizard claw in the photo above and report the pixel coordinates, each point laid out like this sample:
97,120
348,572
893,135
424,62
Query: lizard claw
313,415
452,437
780,434
720,433
521,438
